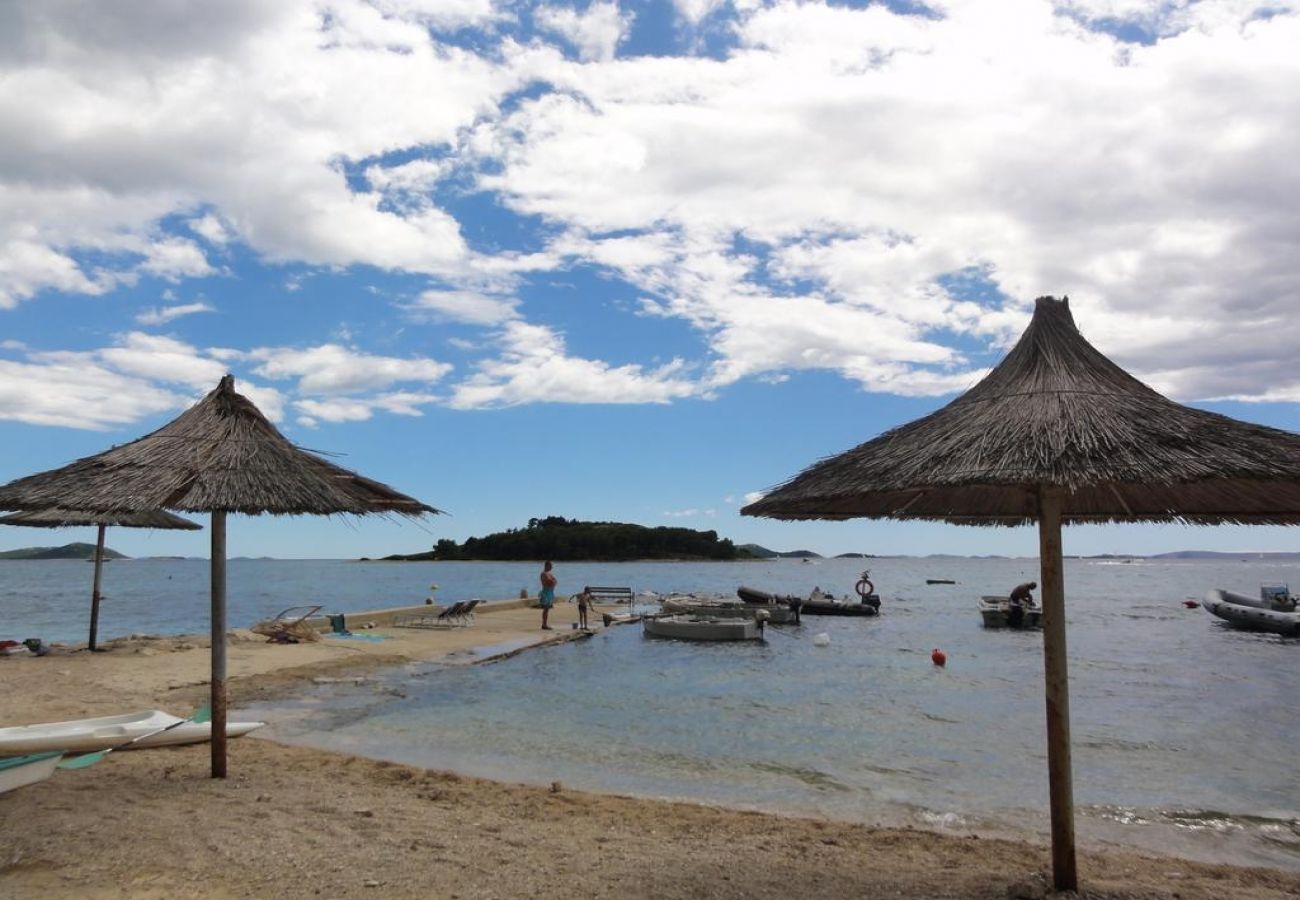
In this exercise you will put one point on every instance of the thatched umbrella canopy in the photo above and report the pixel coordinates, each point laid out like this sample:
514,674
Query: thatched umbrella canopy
220,456
1056,433
65,518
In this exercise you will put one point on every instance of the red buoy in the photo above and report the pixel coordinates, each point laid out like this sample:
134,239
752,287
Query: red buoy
1191,604
937,657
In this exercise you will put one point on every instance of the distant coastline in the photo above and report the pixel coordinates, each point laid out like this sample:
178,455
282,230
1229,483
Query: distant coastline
755,553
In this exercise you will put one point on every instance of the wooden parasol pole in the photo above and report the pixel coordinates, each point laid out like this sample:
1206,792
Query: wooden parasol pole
1060,780
218,702
94,591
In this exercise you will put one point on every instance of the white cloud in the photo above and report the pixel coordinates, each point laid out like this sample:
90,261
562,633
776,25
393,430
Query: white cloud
159,358
174,259
165,314
695,10
211,229
352,409
111,122
690,513
595,32
443,13
333,410
334,369
78,393
467,306
754,497
862,155
533,368
800,201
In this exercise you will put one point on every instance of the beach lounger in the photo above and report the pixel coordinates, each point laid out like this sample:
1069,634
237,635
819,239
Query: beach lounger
451,617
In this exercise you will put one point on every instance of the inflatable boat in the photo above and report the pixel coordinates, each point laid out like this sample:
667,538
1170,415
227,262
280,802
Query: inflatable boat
1274,610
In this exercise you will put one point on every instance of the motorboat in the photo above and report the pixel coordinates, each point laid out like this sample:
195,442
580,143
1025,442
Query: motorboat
727,608
704,628
21,771
815,604
1274,610
999,612
88,735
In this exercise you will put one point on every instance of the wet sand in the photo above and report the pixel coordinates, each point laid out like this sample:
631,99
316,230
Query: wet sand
291,822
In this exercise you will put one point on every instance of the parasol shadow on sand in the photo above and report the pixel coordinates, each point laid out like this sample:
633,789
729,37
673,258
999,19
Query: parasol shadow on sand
220,456
66,518
1056,434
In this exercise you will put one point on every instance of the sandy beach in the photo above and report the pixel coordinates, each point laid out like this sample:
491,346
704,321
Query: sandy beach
291,822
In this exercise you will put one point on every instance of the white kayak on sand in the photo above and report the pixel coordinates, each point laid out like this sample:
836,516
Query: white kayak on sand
24,770
87,735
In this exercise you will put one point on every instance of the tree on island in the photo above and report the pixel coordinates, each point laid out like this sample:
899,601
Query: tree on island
561,539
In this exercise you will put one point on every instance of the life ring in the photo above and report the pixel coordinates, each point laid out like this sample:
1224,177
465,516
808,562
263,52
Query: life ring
864,587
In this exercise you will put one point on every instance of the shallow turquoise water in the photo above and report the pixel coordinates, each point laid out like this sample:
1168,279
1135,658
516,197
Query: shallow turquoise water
1184,730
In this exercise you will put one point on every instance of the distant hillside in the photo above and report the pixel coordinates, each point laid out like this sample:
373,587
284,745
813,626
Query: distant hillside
757,551
1216,554
800,554
67,551
560,539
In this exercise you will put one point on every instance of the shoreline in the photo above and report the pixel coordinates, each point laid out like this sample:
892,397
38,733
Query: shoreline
292,821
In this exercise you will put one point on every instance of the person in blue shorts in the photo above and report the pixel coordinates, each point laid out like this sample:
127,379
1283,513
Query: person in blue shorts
549,581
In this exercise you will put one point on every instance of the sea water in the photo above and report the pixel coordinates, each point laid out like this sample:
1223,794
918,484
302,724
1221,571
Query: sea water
1184,730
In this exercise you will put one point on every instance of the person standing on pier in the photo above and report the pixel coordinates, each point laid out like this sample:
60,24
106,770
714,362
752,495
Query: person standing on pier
547,596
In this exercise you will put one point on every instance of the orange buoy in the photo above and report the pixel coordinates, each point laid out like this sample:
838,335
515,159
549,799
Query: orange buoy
938,657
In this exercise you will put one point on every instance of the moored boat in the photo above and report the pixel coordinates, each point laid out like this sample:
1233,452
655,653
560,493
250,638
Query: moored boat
999,612
21,771
816,604
726,608
87,735
1274,610
703,628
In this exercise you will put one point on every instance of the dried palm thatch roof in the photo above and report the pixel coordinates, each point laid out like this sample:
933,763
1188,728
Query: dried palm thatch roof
65,518
1056,412
221,454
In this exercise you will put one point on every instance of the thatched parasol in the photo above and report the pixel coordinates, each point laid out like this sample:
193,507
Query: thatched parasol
1056,433
219,456
64,518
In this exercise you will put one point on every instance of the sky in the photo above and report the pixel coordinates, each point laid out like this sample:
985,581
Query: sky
630,261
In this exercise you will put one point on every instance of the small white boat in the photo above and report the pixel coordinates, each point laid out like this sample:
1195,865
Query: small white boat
703,628
87,735
1274,610
728,608
999,612
24,770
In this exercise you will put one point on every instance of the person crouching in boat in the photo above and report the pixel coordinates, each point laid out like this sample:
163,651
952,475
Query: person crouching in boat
1021,599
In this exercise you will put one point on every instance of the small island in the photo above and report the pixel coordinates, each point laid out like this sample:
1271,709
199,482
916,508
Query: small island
67,551
568,540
